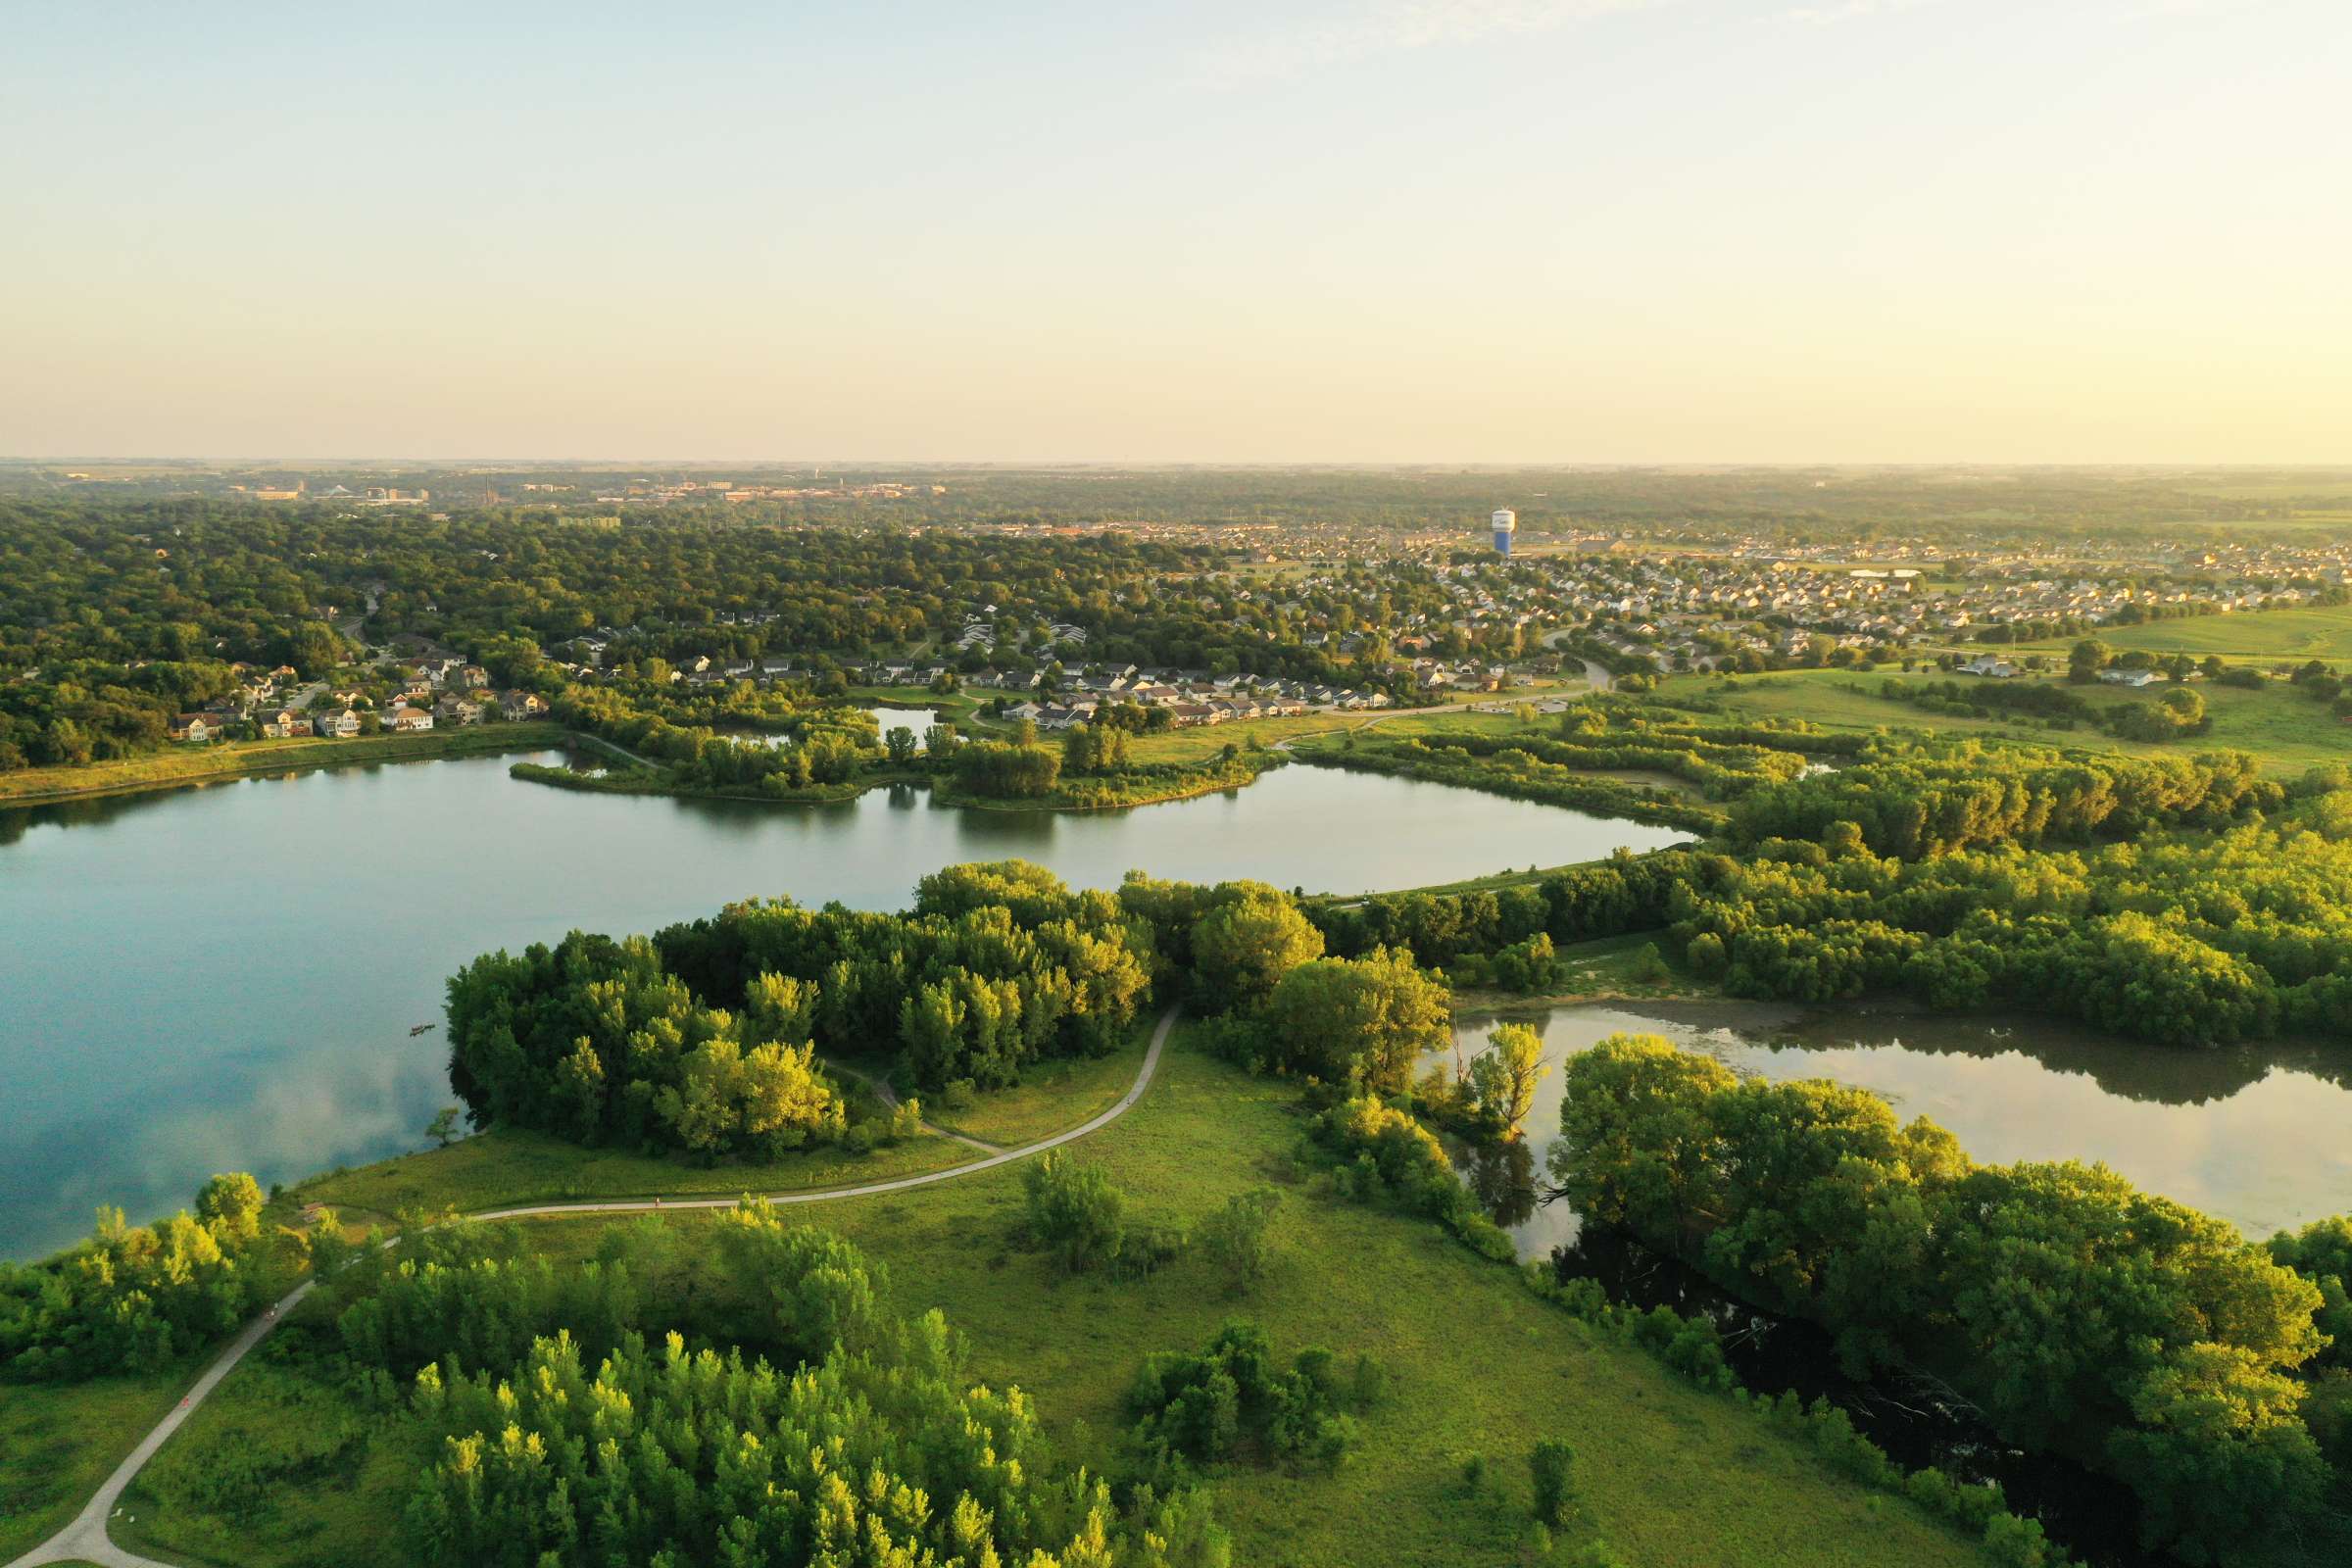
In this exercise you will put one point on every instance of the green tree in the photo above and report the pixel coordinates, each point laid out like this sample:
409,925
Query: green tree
1369,1019
1234,1236
1076,1211
1504,1077
1552,1464
1242,949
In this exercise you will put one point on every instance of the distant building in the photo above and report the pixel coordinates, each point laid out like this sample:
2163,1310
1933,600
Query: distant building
1506,523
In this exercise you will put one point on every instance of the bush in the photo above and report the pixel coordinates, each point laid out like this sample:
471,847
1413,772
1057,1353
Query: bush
1076,1211
1205,1407
1552,1463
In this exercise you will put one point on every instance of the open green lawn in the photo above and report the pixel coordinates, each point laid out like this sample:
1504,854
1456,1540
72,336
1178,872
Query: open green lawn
512,1166
2266,636
193,764
1051,1097
59,1441
2288,731
1200,743
1674,1478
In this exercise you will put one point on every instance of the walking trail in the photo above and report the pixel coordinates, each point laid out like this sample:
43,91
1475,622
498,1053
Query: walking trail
85,1540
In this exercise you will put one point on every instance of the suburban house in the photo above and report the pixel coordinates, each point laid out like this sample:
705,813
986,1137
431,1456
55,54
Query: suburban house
196,728
340,726
284,724
410,719
519,705
1986,664
2129,677
455,709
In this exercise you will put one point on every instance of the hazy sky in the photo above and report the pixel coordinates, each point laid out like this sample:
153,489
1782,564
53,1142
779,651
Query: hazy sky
1609,230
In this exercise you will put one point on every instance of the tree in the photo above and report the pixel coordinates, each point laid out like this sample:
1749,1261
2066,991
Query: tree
1552,1464
1243,946
230,1204
899,742
1367,1019
2086,660
1235,1236
443,1129
1505,1075
1075,1210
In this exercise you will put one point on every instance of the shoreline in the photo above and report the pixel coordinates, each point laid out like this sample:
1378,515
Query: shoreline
262,759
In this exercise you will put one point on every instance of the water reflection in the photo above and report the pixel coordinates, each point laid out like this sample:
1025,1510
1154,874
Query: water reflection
2253,1134
224,977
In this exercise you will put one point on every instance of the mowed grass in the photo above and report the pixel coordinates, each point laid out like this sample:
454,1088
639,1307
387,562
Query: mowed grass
2286,731
1201,743
506,1166
59,1441
194,765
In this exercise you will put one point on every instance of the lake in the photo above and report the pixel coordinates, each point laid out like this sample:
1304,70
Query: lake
2254,1134
224,978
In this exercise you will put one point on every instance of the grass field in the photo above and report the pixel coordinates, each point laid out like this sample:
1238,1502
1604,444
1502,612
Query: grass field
1672,1476
59,1441
1050,1095
196,764
2286,731
2260,637
511,1165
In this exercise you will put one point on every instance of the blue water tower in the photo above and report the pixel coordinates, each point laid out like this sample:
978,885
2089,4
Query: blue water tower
1506,523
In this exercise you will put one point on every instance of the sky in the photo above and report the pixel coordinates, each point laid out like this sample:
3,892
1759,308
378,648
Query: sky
1341,230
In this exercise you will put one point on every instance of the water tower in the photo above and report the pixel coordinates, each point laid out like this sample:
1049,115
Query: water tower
1506,523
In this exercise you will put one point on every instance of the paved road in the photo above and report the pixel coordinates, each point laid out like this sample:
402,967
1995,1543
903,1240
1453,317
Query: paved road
85,1539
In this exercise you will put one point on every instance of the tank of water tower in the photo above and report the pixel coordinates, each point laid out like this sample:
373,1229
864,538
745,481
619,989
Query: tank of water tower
1506,523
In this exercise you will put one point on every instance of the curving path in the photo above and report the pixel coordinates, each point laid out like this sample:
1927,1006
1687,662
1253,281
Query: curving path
85,1540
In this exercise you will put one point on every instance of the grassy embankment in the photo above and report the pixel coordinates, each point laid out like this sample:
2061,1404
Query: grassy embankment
59,1441
197,765
1673,1476
2286,731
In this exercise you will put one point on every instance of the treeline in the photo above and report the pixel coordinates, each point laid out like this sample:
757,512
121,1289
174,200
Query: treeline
132,1298
597,1042
2080,1314
2176,714
1609,898
2184,938
1601,735
827,744
1920,801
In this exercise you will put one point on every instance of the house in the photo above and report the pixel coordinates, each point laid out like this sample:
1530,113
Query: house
2129,677
284,724
1986,664
340,726
455,709
194,728
410,721
519,705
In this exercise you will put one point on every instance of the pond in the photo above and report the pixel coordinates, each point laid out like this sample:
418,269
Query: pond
2254,1134
226,978
886,719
